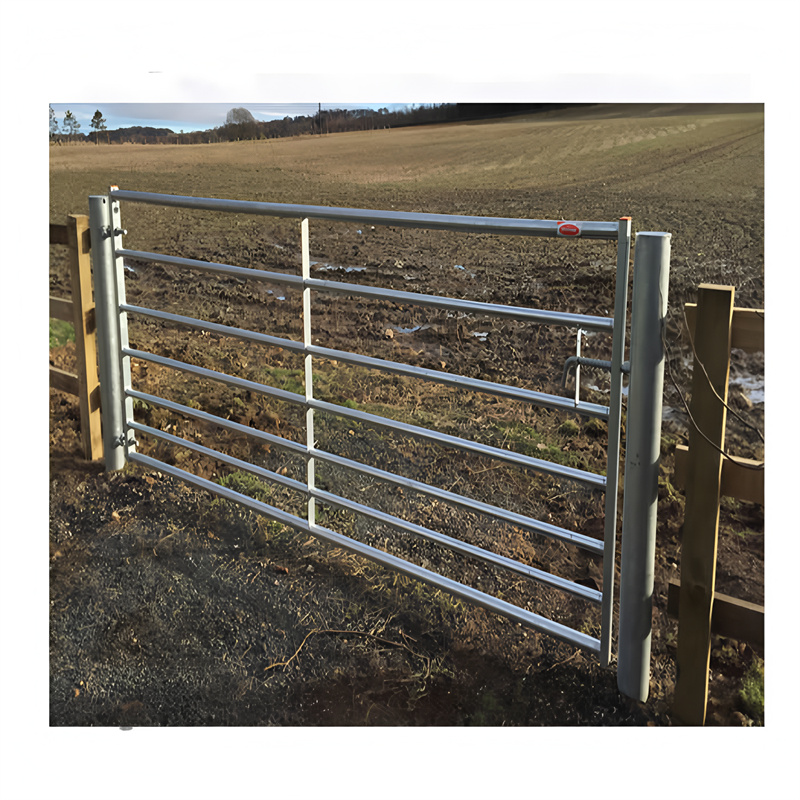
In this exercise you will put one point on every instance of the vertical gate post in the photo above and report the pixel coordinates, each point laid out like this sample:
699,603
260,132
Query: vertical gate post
642,452
108,333
712,346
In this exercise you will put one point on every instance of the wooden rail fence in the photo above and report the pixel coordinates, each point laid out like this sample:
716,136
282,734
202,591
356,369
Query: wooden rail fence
715,326
79,310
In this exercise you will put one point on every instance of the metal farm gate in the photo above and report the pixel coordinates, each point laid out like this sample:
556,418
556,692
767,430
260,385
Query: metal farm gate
645,369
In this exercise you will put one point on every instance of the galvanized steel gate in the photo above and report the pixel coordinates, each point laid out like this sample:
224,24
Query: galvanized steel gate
650,285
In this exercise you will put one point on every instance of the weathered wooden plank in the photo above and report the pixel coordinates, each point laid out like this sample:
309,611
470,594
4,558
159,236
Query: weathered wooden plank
61,308
85,334
747,327
731,617
58,234
64,381
712,340
740,479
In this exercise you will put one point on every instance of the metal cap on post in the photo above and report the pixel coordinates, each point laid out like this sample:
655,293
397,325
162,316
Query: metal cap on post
642,453
108,334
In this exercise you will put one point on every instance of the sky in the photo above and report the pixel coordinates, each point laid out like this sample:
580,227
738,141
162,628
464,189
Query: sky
192,116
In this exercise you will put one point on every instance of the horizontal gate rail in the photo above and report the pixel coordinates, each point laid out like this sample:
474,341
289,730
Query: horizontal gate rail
214,327
536,526
594,546
399,219
442,438
203,372
590,479
214,266
584,321
552,531
459,546
197,413
540,399
456,545
261,472
471,595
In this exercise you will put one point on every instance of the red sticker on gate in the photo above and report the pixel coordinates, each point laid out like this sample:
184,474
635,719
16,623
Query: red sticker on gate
568,229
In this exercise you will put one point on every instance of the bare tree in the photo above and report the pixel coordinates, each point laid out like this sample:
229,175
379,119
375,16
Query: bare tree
53,124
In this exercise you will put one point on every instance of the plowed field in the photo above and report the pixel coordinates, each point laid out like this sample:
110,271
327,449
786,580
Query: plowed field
170,607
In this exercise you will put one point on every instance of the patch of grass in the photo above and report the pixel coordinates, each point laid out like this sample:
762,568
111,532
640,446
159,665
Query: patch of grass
528,441
395,397
290,380
752,692
242,522
569,427
596,427
748,532
730,504
245,483
667,489
61,333
429,597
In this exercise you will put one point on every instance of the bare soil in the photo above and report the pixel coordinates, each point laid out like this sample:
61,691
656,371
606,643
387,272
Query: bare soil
172,607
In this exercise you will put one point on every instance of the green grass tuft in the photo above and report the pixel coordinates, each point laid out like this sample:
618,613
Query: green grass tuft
569,427
61,333
752,692
290,380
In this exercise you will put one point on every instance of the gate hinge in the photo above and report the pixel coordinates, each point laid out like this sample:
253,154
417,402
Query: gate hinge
120,441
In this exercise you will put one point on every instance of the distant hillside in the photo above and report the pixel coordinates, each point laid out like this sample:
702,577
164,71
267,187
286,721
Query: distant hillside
476,111
326,121
137,133
330,121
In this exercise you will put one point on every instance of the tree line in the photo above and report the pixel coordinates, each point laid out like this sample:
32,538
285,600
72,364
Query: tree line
240,124
69,129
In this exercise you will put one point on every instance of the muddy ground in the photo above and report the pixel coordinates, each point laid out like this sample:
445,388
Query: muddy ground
172,608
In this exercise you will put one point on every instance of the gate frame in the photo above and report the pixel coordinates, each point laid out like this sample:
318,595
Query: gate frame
649,304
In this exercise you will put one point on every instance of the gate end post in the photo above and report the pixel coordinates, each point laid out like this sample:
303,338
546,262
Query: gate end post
642,454
108,332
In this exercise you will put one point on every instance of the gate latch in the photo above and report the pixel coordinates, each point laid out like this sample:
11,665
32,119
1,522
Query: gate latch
592,363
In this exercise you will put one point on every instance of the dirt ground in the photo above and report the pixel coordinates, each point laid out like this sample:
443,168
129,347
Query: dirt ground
169,607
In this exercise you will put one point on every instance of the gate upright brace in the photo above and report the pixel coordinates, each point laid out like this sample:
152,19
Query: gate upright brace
642,455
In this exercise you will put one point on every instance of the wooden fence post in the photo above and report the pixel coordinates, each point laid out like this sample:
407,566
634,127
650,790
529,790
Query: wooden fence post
712,343
85,335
